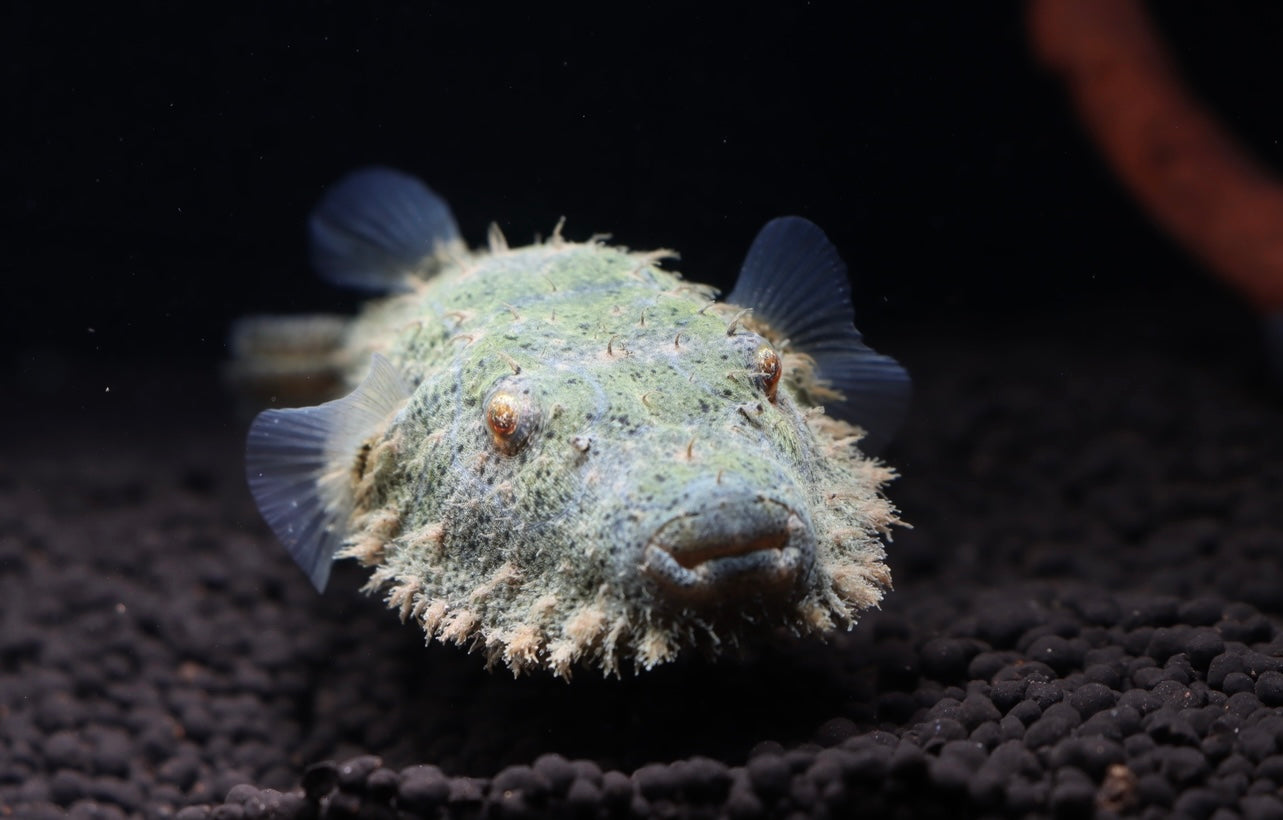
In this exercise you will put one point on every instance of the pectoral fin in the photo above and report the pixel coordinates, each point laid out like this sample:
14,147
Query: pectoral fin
794,280
376,227
291,461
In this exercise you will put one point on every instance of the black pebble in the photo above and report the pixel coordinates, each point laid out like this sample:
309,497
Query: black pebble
353,772
1198,802
986,665
835,730
1170,727
1201,611
936,733
1091,754
1105,674
896,707
1074,798
1236,682
1261,807
1091,698
1223,665
1182,764
1140,700
190,666
320,779
1243,703
382,784
558,772
1147,677
1007,694
957,763
1155,789
1165,642
1027,797
770,776
1001,624
1047,730
1269,688
181,771
1044,693
422,789
1203,645
1256,743
947,659
707,780
743,804
977,709
656,781
1255,628
1027,711
523,779
616,790
908,760
66,787
583,797
1060,654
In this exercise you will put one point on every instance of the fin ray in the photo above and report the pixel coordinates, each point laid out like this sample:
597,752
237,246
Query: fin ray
375,226
794,280
289,453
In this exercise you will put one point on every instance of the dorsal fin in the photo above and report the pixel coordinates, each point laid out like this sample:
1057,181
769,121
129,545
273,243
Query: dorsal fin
290,457
794,280
375,226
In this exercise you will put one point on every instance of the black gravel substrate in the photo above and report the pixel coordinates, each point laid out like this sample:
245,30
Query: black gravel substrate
1086,621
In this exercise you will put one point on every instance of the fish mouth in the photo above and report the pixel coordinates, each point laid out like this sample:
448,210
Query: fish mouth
749,545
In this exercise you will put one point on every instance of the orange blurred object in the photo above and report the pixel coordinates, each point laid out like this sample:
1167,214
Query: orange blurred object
1169,150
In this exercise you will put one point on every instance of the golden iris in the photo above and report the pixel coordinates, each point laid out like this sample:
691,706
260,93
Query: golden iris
768,368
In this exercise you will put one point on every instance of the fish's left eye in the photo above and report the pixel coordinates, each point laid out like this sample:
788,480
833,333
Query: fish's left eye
768,369
511,418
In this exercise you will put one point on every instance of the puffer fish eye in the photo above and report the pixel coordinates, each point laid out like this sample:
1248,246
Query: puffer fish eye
511,417
768,369
501,415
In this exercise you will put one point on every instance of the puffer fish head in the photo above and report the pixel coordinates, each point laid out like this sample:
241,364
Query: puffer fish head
564,454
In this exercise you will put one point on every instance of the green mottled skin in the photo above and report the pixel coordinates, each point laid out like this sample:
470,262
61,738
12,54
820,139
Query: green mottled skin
643,400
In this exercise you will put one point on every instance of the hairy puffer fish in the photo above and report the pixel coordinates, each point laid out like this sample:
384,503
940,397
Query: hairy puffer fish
565,455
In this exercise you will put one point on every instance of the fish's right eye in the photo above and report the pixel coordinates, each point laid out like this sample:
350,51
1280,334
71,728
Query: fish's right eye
511,417
768,369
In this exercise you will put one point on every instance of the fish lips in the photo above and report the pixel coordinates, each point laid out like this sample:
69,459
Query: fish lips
731,547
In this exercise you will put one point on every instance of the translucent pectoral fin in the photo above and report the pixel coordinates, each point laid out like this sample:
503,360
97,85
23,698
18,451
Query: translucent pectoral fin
291,456
377,226
794,280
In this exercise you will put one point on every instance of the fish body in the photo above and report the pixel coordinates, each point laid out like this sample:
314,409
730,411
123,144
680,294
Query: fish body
565,454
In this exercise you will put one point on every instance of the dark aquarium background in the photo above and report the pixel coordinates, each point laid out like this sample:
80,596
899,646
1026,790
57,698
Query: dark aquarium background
1087,612
161,164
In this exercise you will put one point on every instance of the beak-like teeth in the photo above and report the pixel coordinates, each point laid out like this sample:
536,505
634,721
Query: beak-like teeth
691,556
748,547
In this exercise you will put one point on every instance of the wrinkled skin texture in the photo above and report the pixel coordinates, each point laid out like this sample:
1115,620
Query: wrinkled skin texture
591,468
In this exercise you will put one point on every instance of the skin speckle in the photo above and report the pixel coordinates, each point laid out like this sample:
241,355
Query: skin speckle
592,489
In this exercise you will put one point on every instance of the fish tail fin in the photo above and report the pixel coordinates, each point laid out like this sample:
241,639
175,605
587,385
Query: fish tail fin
287,360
